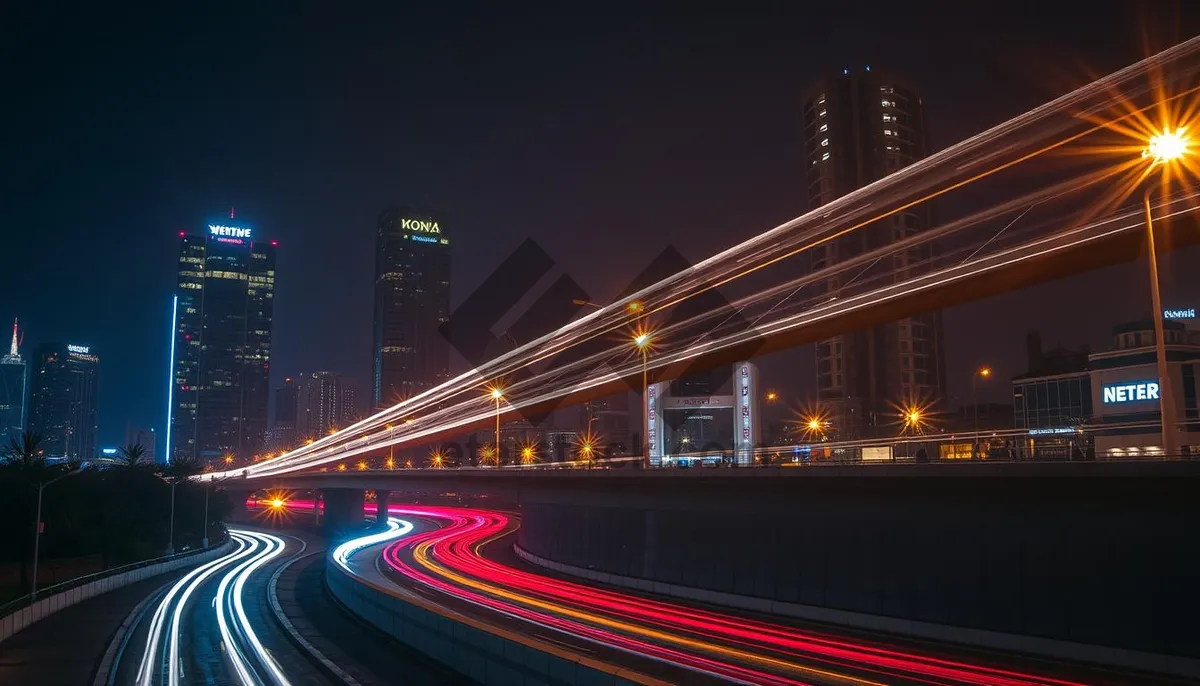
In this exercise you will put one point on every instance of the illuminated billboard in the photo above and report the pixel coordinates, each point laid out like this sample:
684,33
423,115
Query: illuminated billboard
228,231
1129,392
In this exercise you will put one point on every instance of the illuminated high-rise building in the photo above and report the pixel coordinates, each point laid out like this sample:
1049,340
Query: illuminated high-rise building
326,401
412,299
859,126
13,378
222,346
63,398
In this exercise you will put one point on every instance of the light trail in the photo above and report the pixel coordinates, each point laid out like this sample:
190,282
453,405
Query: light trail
252,551
452,560
457,404
396,528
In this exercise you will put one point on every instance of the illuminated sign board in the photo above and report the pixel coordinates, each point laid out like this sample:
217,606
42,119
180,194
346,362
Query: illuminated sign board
1052,431
228,231
1189,313
1130,392
420,225
108,452
424,239
713,401
78,349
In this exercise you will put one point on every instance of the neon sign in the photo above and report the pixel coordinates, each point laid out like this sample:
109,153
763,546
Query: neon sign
78,349
420,225
424,239
1189,313
228,231
1130,392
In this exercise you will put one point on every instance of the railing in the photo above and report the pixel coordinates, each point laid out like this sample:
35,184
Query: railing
30,598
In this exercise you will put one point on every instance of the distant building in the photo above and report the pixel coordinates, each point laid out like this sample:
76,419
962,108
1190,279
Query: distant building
226,303
14,375
282,435
861,125
326,402
412,299
63,400
145,437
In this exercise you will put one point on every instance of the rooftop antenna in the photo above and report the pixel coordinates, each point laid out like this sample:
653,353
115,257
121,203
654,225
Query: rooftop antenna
231,213
15,341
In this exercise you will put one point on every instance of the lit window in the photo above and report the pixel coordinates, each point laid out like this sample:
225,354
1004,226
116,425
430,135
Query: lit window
824,157
889,132
888,117
821,100
824,142
886,103
824,128
821,113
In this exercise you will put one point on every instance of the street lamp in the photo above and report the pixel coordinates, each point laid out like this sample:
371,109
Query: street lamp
981,373
497,394
37,528
641,340
1164,148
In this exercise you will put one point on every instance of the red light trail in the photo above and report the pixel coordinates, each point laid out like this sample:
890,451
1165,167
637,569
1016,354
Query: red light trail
450,559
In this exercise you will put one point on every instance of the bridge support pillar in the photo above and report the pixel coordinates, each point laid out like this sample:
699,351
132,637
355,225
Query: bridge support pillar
343,510
316,512
382,500
238,512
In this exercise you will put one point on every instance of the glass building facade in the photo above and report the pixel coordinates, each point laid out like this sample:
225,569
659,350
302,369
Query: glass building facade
412,300
861,125
223,325
1050,402
63,398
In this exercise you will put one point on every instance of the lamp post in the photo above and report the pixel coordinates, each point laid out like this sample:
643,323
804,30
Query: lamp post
1164,148
981,373
171,526
497,395
642,341
37,529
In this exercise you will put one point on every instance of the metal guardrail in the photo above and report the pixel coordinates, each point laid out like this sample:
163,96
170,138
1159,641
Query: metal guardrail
29,598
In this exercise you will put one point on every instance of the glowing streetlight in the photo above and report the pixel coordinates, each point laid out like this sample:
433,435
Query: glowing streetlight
772,396
390,463
497,394
529,453
641,341
1164,148
437,459
981,373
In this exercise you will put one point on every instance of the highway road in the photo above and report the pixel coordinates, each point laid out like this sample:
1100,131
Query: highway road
214,625
462,558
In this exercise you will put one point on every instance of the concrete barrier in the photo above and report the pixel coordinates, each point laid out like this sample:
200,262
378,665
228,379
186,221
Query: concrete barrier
40,609
1033,645
484,653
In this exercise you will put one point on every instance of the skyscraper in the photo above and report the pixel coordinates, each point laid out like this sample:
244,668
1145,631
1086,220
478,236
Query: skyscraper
283,422
859,126
63,399
412,299
326,401
145,437
13,376
222,343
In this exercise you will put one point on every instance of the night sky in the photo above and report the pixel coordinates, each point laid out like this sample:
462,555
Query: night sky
603,137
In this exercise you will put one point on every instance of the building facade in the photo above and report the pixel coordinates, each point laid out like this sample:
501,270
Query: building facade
412,300
861,125
282,435
325,402
146,437
1125,391
63,400
14,375
221,367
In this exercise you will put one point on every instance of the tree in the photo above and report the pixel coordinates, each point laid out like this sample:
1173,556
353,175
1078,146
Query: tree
25,455
132,456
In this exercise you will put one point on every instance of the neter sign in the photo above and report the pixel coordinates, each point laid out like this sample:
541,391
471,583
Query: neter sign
1130,392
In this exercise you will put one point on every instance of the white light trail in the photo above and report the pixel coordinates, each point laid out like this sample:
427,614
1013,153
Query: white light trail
229,608
396,529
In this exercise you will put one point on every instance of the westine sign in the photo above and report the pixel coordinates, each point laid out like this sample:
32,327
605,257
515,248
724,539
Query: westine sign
420,225
228,231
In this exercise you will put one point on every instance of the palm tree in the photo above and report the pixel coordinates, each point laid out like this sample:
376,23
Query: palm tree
131,456
25,454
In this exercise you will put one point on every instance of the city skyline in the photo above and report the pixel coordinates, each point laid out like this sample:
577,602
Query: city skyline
957,107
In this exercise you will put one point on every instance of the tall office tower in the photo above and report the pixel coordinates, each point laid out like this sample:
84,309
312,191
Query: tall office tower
326,401
13,375
145,437
222,346
859,126
63,399
283,422
412,299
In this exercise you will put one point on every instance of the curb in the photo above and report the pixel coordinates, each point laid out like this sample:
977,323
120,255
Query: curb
106,671
327,665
